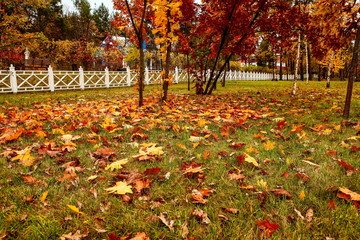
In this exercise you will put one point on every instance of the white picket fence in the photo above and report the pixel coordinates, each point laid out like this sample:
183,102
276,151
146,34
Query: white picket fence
14,81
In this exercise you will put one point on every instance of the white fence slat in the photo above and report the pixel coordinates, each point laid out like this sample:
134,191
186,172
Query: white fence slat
14,81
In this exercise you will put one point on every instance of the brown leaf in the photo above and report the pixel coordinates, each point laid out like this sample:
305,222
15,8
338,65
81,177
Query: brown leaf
305,178
331,152
152,171
142,184
184,230
206,154
230,210
168,222
349,195
281,193
234,176
75,236
140,236
198,196
202,216
309,215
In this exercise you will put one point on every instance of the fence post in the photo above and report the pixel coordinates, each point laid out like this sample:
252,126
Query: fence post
176,75
146,75
107,77
128,76
81,78
51,79
13,81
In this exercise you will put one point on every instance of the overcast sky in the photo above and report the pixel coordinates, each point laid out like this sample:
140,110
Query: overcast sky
68,4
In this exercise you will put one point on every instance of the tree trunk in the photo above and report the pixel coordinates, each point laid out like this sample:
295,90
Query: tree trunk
296,66
329,70
281,70
302,67
307,63
166,77
188,71
141,76
352,71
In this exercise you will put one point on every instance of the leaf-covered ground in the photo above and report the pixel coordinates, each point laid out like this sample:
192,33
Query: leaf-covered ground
250,162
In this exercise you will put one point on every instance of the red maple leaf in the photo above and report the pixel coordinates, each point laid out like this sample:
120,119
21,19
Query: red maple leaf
267,228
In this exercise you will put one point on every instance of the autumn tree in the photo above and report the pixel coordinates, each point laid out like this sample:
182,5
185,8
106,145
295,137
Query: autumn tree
132,18
230,29
166,22
14,30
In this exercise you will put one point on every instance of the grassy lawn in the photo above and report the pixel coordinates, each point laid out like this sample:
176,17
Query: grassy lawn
249,162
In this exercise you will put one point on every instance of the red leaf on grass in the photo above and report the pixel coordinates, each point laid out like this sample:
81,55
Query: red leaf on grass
267,228
241,159
285,174
281,193
152,171
305,178
331,204
237,145
349,195
346,165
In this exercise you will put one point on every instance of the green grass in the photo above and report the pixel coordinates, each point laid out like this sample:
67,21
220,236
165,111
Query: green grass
248,110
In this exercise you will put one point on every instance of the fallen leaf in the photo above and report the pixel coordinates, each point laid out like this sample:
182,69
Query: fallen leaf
75,209
269,145
75,236
43,196
250,159
309,215
302,195
195,139
202,216
184,230
331,205
168,222
230,210
305,178
281,193
142,184
121,187
348,194
267,228
116,165
140,236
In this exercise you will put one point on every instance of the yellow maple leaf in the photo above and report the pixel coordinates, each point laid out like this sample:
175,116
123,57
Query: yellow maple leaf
75,209
121,187
251,149
116,165
195,139
155,150
302,195
269,145
59,131
250,159
202,122
24,157
43,196
181,146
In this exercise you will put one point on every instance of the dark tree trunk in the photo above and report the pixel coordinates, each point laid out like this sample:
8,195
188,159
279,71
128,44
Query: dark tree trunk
309,62
352,72
281,70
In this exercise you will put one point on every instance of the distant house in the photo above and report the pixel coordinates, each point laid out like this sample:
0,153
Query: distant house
33,63
111,52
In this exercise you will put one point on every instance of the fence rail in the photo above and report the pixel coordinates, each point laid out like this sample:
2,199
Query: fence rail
14,81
